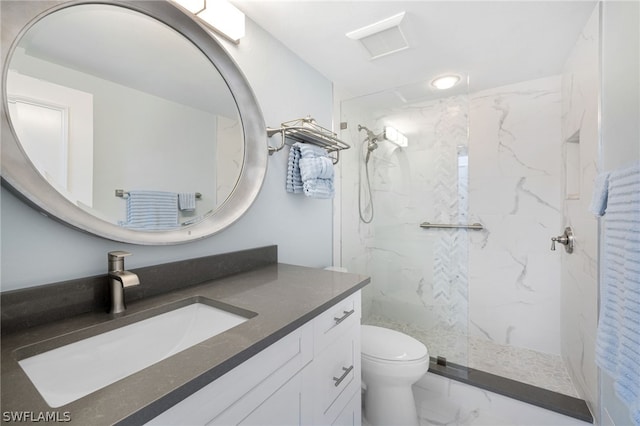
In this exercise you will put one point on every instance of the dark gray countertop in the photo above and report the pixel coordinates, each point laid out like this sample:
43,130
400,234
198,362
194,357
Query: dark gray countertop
283,296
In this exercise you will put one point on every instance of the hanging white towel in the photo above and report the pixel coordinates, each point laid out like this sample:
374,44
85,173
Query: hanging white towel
187,201
316,168
152,210
294,180
600,193
310,171
618,336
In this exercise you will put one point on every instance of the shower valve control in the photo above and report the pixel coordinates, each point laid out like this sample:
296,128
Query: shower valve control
565,239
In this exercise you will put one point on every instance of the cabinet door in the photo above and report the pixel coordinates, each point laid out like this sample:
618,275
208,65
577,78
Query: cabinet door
244,388
351,415
286,407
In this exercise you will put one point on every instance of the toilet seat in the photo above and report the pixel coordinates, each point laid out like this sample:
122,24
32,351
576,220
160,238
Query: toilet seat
385,345
373,359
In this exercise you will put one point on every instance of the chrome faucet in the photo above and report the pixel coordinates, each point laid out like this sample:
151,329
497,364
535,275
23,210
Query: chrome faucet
119,279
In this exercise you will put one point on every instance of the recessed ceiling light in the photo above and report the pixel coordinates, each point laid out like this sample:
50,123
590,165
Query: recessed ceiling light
445,81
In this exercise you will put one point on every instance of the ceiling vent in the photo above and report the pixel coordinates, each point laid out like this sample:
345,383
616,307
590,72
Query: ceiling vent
382,38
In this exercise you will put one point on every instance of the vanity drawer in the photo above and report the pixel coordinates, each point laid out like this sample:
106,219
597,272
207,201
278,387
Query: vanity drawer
336,376
338,319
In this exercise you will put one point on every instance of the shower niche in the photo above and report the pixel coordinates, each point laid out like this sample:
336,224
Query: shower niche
572,166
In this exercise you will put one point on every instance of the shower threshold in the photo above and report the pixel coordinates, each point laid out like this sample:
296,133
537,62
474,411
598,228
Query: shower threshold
540,397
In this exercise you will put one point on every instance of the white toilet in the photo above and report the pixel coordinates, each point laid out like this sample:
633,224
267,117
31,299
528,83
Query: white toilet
391,363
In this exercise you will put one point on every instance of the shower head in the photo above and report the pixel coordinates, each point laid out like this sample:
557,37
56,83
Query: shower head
372,141
371,137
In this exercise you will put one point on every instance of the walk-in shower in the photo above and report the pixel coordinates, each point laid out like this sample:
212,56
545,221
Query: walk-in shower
483,291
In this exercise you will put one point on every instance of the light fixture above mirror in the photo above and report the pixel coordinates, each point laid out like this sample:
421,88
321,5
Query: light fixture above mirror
219,15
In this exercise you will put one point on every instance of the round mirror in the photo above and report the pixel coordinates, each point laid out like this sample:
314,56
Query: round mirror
130,123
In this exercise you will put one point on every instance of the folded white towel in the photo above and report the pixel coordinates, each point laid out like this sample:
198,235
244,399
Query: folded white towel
599,196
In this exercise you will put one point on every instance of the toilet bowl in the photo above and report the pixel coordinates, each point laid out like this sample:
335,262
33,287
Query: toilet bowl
391,363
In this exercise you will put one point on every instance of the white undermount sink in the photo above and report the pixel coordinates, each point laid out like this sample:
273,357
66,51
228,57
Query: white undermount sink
70,372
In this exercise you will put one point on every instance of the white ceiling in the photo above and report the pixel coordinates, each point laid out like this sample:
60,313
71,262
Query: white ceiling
493,42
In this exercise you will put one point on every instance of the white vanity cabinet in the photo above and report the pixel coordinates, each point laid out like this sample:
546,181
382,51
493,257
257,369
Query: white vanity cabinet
311,376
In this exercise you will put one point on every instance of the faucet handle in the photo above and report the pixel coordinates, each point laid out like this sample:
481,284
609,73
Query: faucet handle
117,254
567,239
116,260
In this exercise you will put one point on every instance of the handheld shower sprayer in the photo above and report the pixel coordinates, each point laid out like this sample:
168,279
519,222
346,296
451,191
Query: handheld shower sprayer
372,141
390,134
372,144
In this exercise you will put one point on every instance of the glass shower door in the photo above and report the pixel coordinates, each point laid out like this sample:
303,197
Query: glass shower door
419,274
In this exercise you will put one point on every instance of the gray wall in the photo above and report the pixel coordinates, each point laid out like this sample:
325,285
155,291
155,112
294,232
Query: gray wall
620,130
37,250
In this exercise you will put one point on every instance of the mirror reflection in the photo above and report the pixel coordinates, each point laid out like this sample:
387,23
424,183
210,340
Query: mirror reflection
103,98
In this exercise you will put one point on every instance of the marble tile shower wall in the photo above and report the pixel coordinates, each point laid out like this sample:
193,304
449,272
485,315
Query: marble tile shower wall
510,292
515,191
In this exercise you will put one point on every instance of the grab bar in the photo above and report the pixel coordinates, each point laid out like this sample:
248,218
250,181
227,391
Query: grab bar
451,226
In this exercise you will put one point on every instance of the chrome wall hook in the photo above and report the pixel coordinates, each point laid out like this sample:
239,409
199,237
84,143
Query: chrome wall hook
567,239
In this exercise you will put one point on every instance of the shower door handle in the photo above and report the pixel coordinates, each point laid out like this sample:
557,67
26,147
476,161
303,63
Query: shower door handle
567,239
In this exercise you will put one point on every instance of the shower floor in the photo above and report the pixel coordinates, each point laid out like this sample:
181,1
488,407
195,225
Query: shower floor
524,365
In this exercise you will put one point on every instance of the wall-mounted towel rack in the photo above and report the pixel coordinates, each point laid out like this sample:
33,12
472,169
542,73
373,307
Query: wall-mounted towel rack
308,131
123,193
477,226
